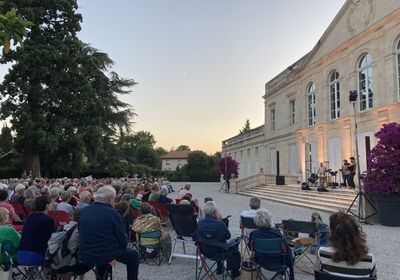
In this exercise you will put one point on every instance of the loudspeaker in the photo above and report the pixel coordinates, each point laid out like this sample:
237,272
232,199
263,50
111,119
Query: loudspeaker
353,95
280,180
277,163
367,146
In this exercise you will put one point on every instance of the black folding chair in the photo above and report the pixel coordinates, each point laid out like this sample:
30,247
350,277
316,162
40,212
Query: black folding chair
185,224
206,240
247,224
291,228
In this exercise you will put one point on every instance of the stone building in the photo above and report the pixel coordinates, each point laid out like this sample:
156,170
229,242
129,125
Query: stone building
308,116
174,159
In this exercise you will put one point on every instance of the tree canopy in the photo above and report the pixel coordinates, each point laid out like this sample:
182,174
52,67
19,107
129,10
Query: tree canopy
246,127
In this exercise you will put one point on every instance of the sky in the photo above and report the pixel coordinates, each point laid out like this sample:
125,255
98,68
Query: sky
201,66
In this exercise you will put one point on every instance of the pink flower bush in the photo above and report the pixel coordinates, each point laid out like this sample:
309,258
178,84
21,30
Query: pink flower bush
383,174
231,169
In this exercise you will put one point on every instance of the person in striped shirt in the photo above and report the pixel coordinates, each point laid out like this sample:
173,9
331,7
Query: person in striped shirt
348,254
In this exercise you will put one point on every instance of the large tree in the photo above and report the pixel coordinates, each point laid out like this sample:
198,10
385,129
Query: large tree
60,95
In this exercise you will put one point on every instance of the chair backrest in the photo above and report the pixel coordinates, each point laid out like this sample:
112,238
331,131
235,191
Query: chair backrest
299,226
182,219
6,250
149,238
163,210
322,275
271,246
248,222
19,210
61,218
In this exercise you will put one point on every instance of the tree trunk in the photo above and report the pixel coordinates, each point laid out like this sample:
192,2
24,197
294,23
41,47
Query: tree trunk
31,163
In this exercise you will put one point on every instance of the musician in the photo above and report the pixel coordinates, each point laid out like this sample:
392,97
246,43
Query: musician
345,172
322,174
352,172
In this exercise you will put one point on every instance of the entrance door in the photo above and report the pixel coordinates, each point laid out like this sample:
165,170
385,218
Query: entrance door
365,139
293,158
334,153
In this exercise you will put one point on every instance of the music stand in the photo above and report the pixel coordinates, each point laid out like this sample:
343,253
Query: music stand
361,215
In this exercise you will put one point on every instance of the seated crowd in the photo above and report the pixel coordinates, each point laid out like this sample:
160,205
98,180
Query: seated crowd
105,215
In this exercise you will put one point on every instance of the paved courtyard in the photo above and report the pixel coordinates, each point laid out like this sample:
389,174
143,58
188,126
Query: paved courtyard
383,241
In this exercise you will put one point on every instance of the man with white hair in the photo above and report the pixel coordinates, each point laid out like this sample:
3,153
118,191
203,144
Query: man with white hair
103,236
255,204
211,225
84,199
18,196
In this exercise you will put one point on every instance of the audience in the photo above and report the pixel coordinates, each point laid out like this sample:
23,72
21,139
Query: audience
103,237
266,230
18,196
255,204
321,227
348,254
154,195
38,228
184,191
163,198
8,233
147,222
54,195
64,204
219,244
29,195
85,198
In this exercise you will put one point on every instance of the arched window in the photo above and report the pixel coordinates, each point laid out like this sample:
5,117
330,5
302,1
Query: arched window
311,103
398,68
334,92
365,82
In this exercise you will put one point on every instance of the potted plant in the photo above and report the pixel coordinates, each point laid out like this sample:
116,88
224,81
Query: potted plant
228,167
383,174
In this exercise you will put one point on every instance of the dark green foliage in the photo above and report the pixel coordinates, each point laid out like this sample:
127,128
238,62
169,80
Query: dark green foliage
200,168
246,127
183,148
6,140
61,97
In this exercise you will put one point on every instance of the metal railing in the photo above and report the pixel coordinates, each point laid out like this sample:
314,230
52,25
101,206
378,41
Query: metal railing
263,179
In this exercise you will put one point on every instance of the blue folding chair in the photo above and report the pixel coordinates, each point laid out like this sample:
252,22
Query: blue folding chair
8,263
270,255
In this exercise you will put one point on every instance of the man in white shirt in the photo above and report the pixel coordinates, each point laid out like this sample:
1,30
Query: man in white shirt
255,204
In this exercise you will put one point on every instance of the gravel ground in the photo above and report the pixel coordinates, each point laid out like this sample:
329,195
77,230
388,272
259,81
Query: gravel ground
382,241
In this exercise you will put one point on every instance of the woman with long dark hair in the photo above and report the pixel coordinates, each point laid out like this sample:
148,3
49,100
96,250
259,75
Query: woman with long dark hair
348,255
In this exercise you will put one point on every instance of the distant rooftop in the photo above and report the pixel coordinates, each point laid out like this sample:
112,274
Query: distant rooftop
176,155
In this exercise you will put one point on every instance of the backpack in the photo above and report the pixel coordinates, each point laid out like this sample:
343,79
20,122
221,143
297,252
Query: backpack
58,255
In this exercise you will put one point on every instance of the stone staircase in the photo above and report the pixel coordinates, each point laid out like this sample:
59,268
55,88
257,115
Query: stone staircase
332,201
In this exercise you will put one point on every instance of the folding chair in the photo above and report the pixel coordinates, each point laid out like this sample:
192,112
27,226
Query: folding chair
204,241
185,224
163,213
8,264
61,218
322,275
270,255
150,247
247,225
301,251
19,210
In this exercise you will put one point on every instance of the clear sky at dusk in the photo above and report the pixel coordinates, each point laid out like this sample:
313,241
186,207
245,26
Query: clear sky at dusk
201,66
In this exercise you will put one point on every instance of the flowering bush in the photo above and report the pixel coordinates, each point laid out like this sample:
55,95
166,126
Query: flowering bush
228,167
383,174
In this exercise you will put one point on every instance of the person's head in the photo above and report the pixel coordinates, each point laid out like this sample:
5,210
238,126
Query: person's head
4,216
105,194
207,199
316,218
3,195
54,193
65,196
255,203
263,219
352,159
321,164
187,197
29,193
122,207
85,196
145,209
41,203
187,187
184,201
347,237
19,189
126,197
164,192
155,187
210,208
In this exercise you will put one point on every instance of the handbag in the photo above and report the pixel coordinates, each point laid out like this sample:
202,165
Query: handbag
249,270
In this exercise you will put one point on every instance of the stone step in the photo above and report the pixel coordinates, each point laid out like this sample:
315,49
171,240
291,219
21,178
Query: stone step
305,196
294,203
342,192
301,199
312,193
332,201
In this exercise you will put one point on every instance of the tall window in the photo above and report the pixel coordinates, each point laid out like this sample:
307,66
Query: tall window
334,91
273,119
398,67
311,104
365,82
292,109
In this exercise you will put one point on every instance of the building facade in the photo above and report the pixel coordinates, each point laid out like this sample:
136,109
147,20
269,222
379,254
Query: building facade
308,116
174,160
